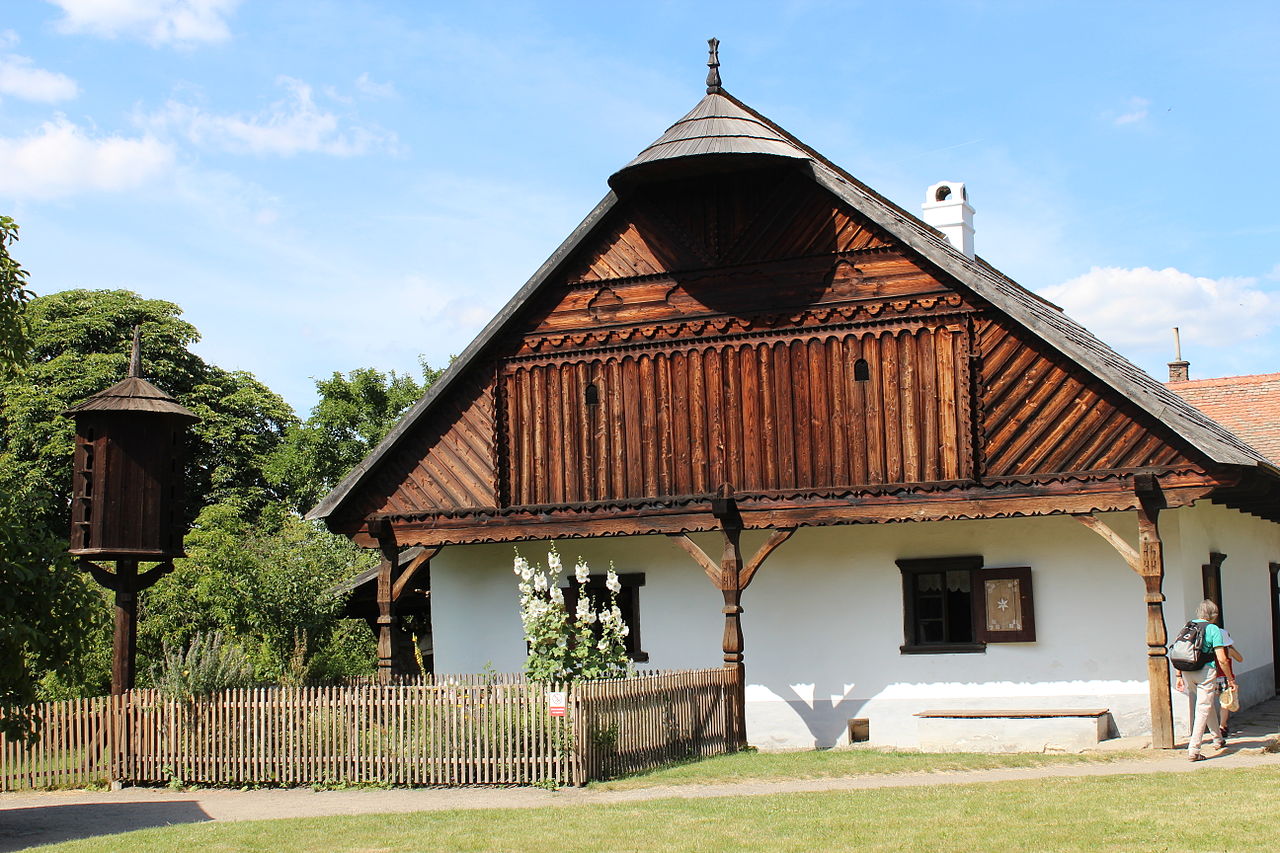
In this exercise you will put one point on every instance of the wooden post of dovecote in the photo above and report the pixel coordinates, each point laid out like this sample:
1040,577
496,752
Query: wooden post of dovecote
127,487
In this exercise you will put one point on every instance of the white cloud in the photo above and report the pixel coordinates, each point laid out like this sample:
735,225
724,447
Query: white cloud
182,22
289,126
1137,112
1137,308
8,39
61,159
20,78
369,88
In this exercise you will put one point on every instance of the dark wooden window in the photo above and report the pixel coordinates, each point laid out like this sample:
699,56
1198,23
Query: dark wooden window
1211,581
861,371
628,603
592,395
946,601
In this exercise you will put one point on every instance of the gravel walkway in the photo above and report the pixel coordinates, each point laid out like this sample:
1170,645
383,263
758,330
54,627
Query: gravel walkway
30,819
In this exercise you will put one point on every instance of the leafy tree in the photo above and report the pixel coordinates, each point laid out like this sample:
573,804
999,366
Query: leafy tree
13,296
265,581
355,411
76,344
79,344
44,603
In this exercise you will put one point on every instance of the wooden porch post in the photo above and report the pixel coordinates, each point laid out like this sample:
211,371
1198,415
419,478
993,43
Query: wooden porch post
1151,562
1148,562
726,511
731,577
381,528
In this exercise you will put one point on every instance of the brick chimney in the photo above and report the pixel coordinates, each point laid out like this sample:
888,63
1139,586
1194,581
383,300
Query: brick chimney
1179,370
946,207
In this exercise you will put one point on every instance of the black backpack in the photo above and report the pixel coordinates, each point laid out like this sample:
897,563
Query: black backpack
1187,652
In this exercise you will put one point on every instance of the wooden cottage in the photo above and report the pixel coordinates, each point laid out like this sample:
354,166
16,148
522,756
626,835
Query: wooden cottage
757,370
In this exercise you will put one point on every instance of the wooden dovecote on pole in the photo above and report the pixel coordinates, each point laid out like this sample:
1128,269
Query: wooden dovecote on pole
126,496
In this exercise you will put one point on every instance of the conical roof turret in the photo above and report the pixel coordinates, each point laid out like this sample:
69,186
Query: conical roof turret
133,393
720,133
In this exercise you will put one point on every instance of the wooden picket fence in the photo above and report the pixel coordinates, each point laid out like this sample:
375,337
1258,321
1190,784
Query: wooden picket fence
458,730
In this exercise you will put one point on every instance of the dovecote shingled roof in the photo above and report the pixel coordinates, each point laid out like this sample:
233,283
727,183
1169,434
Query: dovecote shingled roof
133,394
721,128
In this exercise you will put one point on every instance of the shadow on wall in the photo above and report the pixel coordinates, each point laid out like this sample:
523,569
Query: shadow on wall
826,709
23,828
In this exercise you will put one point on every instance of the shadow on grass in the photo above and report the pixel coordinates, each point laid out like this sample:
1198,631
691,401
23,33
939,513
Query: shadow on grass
23,828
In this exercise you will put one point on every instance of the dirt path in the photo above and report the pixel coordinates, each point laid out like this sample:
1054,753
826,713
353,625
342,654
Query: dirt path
30,819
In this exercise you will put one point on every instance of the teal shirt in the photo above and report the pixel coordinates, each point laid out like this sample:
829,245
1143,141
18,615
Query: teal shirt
1212,640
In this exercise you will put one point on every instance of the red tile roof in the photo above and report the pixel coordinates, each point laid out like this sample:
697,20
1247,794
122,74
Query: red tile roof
1249,406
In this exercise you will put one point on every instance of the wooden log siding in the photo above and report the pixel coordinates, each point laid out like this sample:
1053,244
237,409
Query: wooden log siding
448,466
1039,416
772,413
460,730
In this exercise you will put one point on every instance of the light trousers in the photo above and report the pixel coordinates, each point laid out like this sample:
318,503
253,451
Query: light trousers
1202,690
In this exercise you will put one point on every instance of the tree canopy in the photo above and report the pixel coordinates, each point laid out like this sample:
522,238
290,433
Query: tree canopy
257,580
354,412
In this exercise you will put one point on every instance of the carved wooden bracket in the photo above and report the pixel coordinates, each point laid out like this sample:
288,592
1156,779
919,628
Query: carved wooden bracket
1125,550
112,581
410,571
710,566
713,569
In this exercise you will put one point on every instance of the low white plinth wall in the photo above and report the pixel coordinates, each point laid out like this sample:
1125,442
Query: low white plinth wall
1013,731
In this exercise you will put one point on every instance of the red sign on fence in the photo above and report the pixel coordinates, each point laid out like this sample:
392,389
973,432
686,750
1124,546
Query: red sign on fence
556,701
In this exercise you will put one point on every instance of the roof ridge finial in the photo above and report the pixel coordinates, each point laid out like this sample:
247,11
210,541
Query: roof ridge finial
713,65
135,355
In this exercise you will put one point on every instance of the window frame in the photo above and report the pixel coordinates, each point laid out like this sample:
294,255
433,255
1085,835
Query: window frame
978,576
913,568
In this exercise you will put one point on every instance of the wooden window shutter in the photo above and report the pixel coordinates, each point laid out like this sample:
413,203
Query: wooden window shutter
1006,606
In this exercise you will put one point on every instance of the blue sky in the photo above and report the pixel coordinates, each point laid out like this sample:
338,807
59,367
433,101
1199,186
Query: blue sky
330,185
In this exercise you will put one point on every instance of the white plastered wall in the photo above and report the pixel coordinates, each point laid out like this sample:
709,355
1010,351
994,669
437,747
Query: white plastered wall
823,619
1250,545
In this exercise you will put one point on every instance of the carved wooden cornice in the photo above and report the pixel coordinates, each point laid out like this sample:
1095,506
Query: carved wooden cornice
1066,495
710,329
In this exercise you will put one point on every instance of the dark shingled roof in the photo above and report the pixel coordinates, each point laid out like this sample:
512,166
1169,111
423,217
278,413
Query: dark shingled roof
133,394
718,126
721,127
1249,406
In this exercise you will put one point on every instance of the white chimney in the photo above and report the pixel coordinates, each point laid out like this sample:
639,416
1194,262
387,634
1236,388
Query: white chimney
946,207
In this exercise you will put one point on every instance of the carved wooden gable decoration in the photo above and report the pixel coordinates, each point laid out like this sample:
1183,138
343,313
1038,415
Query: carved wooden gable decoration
777,330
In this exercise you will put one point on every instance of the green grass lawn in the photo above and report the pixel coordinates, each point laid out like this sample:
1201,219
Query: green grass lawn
1236,810
775,766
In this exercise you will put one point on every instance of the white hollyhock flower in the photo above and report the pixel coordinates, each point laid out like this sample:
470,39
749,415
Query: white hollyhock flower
582,571
521,566
553,560
540,582
557,595
584,612
612,582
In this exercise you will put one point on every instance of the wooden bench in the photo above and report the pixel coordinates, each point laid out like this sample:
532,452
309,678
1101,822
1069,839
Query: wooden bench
1014,730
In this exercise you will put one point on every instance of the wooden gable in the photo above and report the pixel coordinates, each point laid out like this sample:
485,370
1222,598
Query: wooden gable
753,331
710,336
